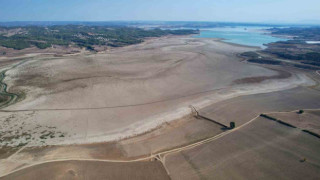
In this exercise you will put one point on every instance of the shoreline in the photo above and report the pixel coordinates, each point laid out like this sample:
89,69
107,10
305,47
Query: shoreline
223,40
266,32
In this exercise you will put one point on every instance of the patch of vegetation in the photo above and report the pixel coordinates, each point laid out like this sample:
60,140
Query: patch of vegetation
81,36
310,33
297,49
300,111
265,61
22,144
3,99
50,134
311,63
311,56
90,48
250,54
46,135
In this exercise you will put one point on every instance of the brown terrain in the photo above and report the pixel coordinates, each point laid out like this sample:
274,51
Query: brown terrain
93,170
126,114
306,119
262,150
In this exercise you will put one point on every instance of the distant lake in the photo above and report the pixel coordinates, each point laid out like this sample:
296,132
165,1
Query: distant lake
250,36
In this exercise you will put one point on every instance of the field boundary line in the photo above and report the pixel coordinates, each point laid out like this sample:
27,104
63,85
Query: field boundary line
139,159
164,153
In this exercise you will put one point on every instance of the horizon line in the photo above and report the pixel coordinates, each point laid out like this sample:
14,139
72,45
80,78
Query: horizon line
194,21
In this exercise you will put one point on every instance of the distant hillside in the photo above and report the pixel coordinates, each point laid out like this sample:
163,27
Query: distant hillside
82,36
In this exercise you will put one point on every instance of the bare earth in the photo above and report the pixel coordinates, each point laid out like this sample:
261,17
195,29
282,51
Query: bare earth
243,108
128,91
93,170
130,103
308,120
262,150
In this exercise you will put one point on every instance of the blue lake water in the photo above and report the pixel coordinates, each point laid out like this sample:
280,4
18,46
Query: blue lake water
250,36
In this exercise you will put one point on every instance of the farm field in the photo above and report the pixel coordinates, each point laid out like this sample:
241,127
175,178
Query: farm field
261,150
93,170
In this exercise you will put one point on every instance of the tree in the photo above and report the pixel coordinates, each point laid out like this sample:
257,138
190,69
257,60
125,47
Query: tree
301,112
232,125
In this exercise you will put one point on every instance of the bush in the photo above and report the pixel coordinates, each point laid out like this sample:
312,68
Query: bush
41,45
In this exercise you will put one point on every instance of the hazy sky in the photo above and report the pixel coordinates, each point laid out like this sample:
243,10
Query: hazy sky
172,10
